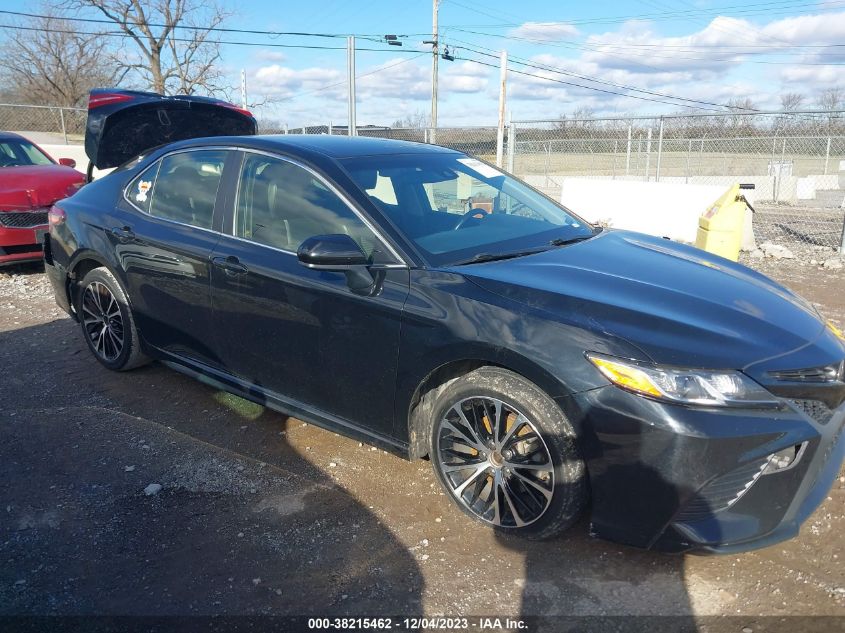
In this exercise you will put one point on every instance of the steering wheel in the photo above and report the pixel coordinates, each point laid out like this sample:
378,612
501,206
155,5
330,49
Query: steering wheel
473,216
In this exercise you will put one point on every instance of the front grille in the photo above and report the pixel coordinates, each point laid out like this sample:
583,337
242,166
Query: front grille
722,492
23,219
816,409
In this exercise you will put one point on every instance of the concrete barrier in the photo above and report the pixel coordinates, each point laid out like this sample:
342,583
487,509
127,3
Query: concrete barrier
766,188
664,209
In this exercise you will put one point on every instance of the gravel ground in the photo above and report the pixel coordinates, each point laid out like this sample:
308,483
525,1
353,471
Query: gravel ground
259,513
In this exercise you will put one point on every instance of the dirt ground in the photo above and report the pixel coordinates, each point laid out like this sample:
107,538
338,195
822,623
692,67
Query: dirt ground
262,514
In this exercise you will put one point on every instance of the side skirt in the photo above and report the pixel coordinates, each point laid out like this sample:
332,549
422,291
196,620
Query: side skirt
227,382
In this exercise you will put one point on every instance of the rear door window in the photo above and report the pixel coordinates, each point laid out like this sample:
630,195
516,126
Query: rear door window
181,187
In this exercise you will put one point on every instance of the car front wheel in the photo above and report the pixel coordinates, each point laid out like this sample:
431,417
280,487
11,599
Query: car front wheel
505,453
107,322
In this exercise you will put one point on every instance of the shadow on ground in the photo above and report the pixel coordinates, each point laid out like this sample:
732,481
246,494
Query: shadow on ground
227,532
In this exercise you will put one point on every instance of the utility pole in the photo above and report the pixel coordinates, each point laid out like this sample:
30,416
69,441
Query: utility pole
503,92
350,69
243,88
435,50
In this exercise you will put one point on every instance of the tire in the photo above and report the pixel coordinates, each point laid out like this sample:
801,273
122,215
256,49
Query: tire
489,481
107,323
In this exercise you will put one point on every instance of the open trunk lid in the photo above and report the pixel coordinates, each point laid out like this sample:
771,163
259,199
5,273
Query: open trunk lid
125,123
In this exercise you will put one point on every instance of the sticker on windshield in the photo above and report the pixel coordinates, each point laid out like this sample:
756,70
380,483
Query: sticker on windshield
143,188
480,168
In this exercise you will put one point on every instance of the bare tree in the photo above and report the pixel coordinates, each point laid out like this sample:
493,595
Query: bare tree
791,101
173,40
48,62
739,121
417,121
830,100
580,119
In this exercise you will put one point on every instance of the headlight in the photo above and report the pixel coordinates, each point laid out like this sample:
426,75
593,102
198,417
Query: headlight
685,386
836,331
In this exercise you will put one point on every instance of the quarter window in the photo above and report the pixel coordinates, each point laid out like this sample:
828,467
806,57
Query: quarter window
183,188
140,192
281,205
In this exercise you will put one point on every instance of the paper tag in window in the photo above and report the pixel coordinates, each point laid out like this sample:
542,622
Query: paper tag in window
480,168
143,188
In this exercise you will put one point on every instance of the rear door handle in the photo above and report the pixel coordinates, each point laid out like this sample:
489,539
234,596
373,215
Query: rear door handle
123,233
231,264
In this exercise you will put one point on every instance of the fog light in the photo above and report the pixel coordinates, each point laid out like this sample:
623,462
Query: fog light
784,459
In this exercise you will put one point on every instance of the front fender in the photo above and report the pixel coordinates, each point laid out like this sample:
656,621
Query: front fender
450,321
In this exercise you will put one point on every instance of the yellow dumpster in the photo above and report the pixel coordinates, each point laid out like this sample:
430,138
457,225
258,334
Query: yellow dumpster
720,227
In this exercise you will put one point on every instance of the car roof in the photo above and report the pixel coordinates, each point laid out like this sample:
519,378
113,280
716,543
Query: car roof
331,146
339,147
11,136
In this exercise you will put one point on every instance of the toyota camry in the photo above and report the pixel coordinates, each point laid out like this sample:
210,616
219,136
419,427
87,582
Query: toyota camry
424,301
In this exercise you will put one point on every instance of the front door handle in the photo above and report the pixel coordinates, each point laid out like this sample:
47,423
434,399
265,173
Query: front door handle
231,265
123,233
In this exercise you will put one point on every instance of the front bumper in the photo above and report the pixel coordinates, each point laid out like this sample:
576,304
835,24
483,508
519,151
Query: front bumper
21,244
676,478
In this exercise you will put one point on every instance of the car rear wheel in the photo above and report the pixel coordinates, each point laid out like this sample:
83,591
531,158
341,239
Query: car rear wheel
505,453
107,322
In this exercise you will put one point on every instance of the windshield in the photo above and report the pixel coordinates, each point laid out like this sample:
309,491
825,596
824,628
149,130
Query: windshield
457,209
20,153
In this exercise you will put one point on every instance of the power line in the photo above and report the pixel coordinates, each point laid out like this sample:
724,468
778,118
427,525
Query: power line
593,88
219,42
741,9
561,71
220,29
602,48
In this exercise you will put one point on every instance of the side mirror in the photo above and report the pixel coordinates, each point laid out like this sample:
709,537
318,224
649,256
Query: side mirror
338,253
67,162
331,252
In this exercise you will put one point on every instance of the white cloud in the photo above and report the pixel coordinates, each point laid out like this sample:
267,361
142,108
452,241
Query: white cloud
277,81
806,29
637,47
545,31
724,43
798,77
394,80
465,77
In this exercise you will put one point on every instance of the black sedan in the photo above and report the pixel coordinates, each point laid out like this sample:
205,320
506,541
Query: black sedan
424,301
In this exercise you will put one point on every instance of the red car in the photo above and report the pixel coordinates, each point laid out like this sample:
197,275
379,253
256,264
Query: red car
30,182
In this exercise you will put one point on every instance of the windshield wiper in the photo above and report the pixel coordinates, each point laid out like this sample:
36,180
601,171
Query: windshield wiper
493,257
563,241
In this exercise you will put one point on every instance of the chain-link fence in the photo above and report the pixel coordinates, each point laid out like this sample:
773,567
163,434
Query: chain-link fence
796,162
44,124
478,141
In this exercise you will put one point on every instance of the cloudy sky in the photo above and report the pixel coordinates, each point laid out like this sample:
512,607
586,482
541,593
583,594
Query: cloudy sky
706,52
618,56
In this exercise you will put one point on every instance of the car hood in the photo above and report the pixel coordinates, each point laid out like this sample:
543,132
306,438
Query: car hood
36,186
677,304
